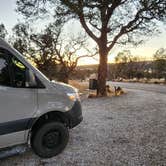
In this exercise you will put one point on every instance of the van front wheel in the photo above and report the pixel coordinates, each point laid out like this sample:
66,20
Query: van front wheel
50,139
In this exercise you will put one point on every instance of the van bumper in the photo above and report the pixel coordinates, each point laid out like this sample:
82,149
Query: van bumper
74,115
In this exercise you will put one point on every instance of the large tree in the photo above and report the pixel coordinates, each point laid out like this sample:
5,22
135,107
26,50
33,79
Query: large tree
107,22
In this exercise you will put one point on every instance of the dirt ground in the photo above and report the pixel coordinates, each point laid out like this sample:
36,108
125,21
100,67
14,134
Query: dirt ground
128,130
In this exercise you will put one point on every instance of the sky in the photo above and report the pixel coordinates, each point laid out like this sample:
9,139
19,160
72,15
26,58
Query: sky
9,17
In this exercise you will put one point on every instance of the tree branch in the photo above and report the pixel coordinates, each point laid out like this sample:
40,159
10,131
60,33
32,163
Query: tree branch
112,8
89,32
131,26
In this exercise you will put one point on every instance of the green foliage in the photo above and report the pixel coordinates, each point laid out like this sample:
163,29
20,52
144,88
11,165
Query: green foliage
160,54
21,38
125,57
160,63
128,66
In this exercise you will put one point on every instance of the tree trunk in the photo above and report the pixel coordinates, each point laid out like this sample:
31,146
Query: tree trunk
102,73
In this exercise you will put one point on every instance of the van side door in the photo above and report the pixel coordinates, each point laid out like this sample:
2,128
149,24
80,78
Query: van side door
18,101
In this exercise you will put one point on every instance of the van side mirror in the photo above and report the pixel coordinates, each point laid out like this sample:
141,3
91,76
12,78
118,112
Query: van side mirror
30,79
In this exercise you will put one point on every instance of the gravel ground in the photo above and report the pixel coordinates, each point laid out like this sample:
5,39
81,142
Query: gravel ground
126,130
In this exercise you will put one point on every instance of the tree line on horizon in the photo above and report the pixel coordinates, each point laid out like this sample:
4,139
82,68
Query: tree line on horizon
127,66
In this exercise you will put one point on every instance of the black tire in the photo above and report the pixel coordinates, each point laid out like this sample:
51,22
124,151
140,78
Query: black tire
50,139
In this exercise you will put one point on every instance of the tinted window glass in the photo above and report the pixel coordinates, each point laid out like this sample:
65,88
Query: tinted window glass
4,70
19,73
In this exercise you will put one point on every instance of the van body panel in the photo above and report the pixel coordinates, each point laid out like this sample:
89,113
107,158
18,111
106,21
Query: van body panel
17,108
74,115
53,101
12,139
17,103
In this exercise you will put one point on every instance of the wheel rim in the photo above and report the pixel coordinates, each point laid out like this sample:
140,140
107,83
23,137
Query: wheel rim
51,139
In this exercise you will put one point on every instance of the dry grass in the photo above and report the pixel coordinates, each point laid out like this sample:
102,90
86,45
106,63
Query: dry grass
82,86
83,89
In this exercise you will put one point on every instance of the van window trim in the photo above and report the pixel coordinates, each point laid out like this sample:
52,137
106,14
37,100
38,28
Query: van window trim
9,56
9,68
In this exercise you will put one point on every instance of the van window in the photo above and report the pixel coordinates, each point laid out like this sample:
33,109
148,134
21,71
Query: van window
19,73
4,70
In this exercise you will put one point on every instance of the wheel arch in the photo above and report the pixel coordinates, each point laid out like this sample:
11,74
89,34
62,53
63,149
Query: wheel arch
45,118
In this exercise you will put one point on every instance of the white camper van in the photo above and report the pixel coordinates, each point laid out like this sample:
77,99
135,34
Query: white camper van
33,109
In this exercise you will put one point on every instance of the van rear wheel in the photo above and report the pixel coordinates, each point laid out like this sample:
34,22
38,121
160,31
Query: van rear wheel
50,139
